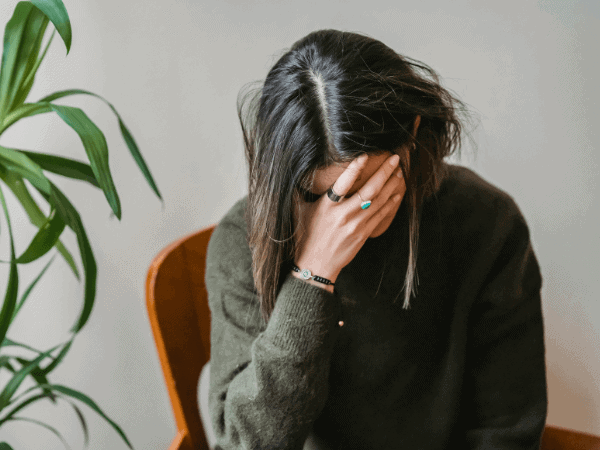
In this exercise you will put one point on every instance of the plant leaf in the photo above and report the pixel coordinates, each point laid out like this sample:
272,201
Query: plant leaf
31,70
10,298
127,136
86,433
48,393
63,352
38,375
36,217
5,446
97,151
88,401
8,342
20,163
5,361
18,378
22,111
44,239
30,288
22,40
54,430
73,220
55,11
22,405
37,371
66,167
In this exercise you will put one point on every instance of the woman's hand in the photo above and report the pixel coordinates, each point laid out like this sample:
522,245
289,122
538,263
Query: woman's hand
333,233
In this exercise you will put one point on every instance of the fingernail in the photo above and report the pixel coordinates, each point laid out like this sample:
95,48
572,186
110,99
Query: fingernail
394,160
399,173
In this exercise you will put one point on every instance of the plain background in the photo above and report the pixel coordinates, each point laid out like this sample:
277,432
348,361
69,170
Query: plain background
173,70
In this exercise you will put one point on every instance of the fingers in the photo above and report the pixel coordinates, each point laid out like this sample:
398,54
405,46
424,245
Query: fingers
349,176
385,209
373,187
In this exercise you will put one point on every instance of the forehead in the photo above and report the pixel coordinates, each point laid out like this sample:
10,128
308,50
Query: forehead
325,177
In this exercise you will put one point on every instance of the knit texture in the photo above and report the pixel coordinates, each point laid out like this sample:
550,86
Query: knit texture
462,368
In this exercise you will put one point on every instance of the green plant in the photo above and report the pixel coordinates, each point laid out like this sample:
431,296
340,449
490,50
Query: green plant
21,58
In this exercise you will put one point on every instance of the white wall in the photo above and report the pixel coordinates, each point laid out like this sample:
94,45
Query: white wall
173,70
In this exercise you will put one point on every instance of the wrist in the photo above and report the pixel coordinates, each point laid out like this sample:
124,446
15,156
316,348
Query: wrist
316,279
317,270
327,287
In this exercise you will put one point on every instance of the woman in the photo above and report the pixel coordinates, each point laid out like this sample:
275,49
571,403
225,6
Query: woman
350,207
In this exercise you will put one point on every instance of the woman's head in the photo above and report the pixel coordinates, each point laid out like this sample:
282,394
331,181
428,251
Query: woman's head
333,96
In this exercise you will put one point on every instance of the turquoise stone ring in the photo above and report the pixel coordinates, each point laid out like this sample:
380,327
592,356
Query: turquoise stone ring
364,204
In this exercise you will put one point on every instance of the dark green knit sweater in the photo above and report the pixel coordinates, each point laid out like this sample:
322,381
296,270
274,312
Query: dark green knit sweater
463,368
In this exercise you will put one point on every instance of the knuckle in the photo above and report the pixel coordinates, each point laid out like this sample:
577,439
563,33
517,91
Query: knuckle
352,228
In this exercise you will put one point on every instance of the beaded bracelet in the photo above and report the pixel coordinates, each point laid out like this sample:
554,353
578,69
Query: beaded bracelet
307,275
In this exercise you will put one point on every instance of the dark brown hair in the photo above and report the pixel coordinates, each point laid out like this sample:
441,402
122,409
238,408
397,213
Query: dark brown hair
331,97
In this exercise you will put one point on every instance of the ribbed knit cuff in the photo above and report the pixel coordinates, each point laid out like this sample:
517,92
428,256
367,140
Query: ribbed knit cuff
304,316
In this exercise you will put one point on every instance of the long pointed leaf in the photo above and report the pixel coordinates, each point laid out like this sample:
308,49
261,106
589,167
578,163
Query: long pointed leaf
23,111
88,401
55,11
49,394
38,374
63,352
8,342
40,378
73,220
22,405
86,433
36,217
44,239
22,41
28,169
127,136
10,299
66,167
30,288
13,33
32,68
5,361
19,163
37,422
97,151
16,380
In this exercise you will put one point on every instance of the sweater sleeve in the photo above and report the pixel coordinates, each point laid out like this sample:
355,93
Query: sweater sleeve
268,383
505,401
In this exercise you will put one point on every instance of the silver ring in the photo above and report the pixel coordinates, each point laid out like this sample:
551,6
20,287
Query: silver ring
333,196
364,204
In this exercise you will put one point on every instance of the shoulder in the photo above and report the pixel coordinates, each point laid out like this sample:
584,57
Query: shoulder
489,232
482,219
473,204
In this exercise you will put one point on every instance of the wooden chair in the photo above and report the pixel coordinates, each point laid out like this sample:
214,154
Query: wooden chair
177,304
178,310
558,438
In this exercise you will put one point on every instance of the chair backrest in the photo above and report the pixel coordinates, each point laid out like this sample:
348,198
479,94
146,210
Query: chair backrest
179,315
557,438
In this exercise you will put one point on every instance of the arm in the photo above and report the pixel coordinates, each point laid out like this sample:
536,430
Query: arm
505,397
268,383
